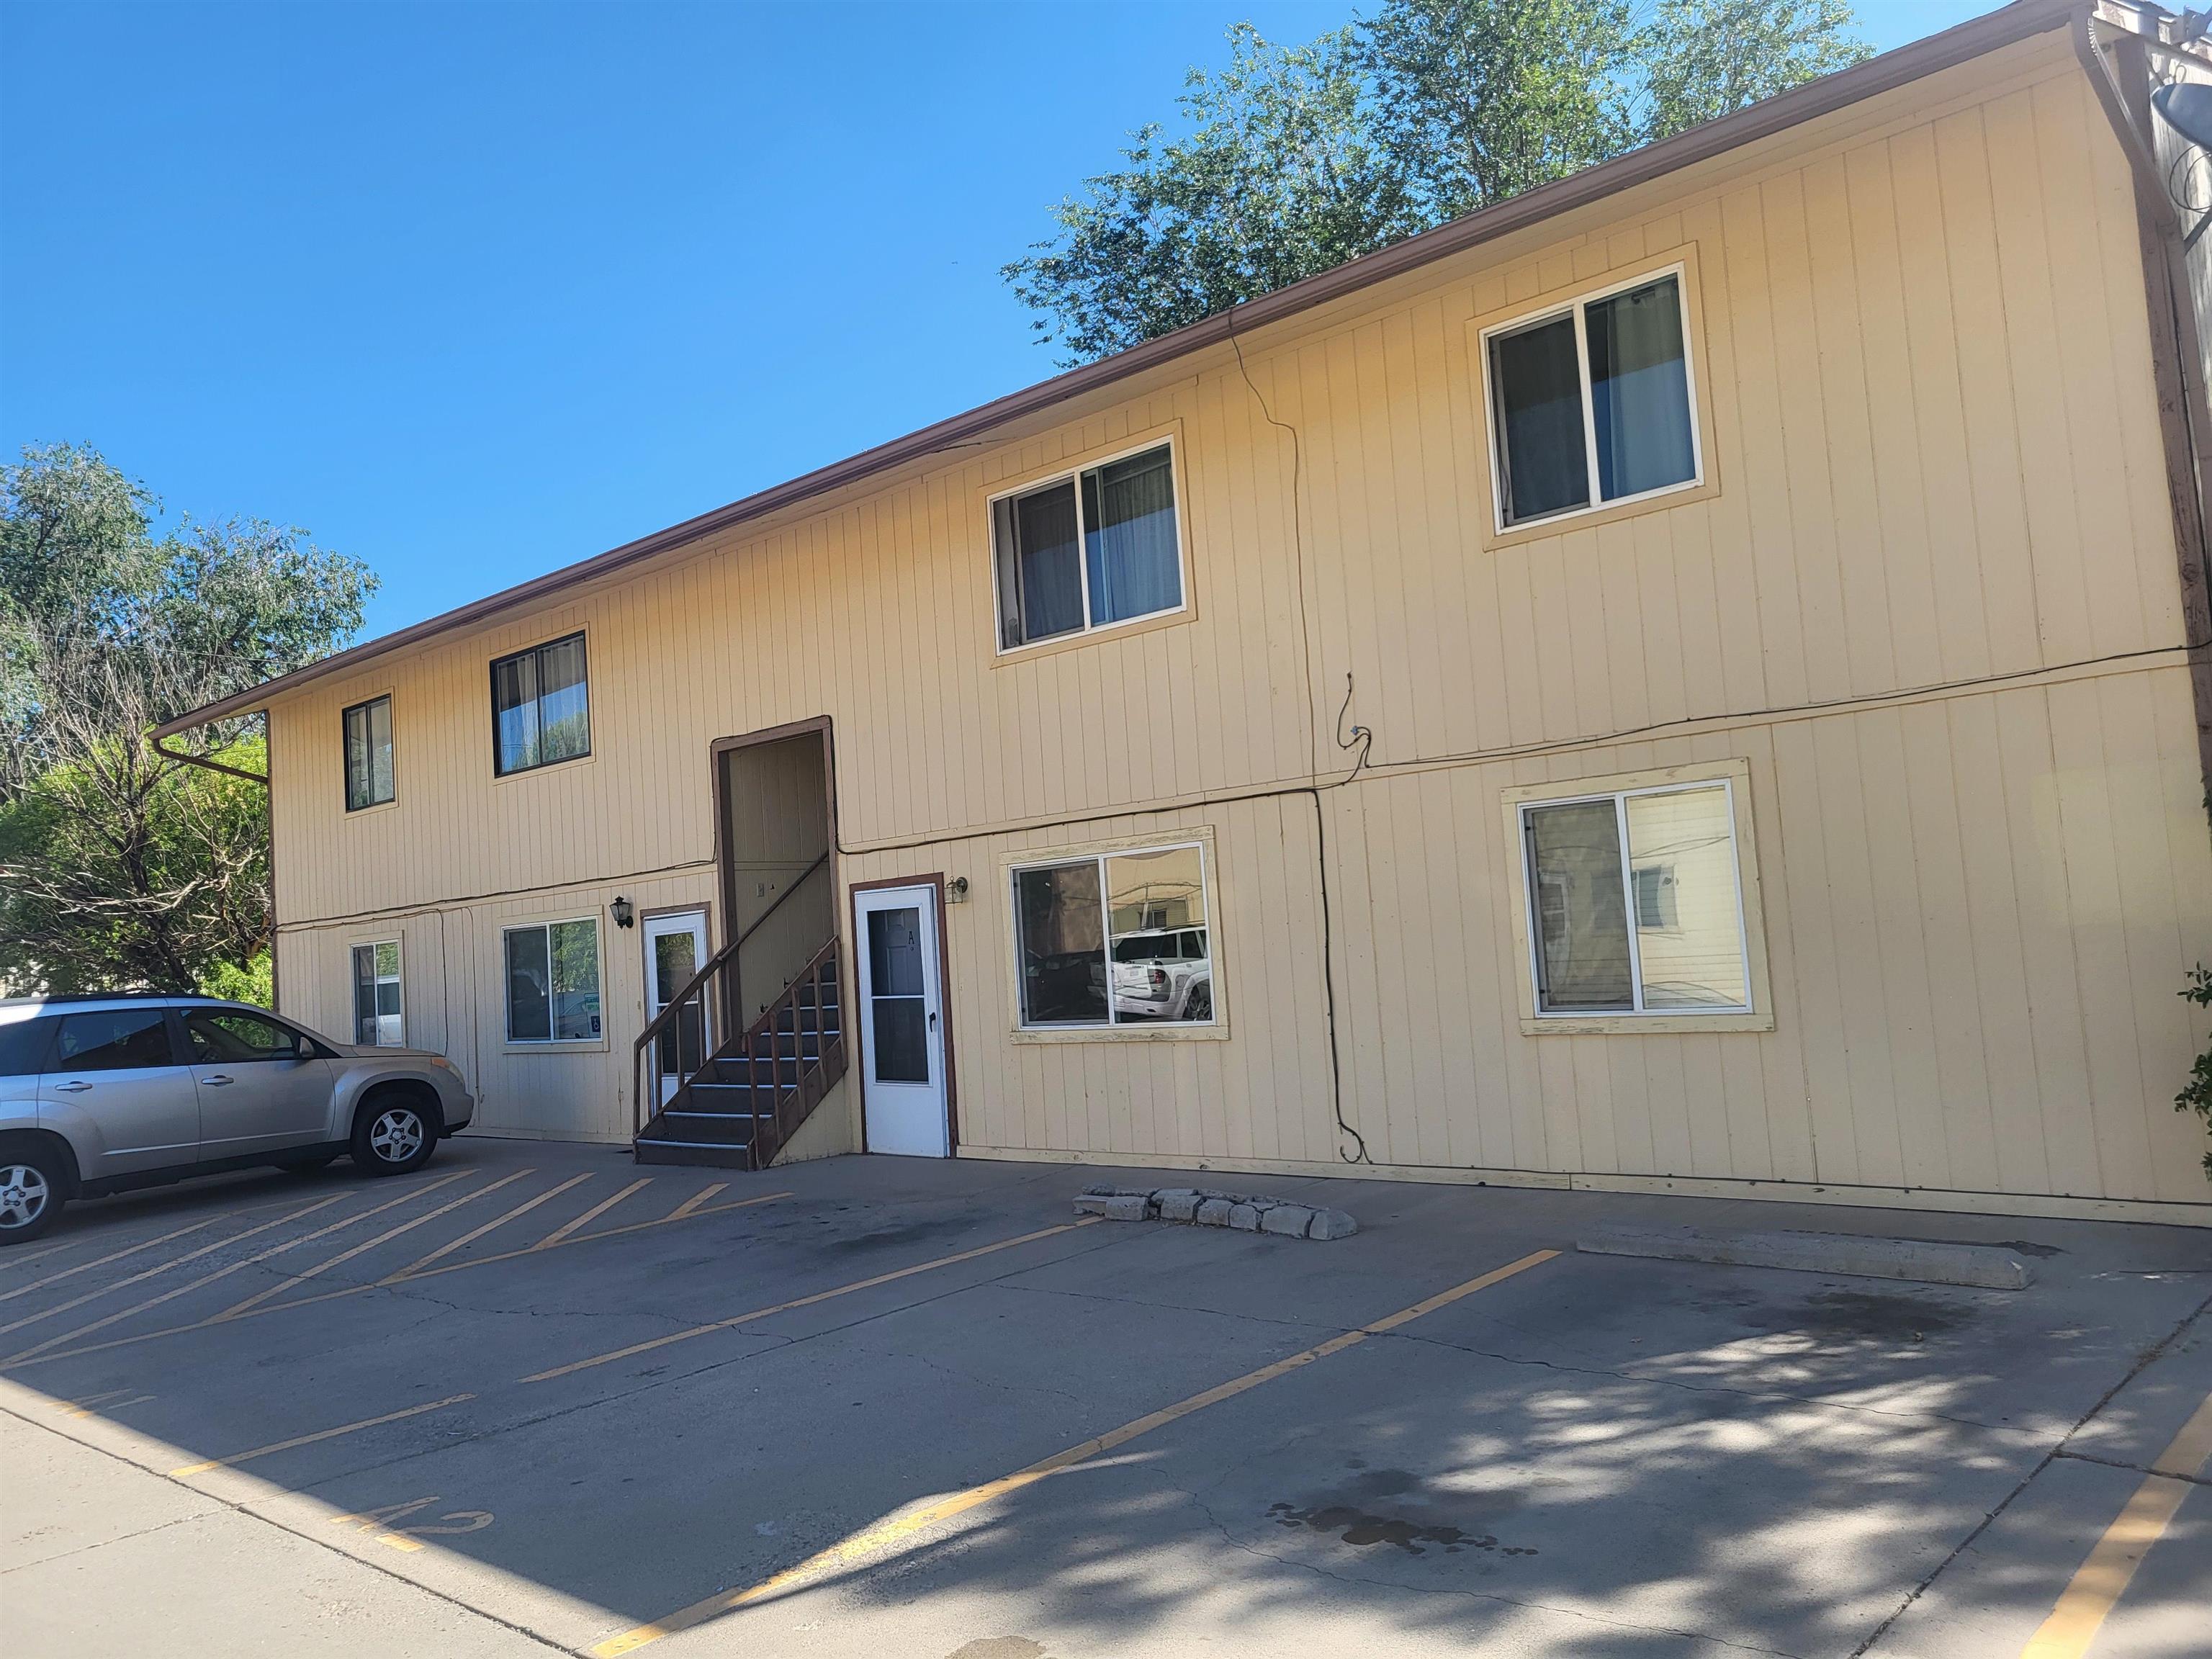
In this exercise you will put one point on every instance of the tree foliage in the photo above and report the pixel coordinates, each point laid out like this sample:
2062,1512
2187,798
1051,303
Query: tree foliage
117,867
2196,1094
1295,159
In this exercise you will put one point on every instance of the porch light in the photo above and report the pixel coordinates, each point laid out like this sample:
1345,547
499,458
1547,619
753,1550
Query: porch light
622,911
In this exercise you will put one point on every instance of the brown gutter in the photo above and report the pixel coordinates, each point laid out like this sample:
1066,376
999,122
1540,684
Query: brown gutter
269,824
153,743
1974,39
2184,414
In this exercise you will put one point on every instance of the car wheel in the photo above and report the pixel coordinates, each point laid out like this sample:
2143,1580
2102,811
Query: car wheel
393,1135
30,1193
1199,1004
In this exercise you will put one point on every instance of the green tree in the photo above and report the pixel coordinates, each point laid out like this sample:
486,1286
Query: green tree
1295,159
119,867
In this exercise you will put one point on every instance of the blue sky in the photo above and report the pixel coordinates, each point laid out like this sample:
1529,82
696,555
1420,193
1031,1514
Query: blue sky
476,291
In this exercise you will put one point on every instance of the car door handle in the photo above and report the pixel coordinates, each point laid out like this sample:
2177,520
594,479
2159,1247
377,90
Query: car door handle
72,1088
218,1081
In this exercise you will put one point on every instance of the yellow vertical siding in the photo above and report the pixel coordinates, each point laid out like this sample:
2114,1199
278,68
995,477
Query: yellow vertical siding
1923,595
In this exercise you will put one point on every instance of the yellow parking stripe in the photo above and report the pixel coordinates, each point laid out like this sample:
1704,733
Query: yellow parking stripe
363,1247
149,1273
589,1215
805,1301
470,1237
118,1255
310,1439
696,1199
235,1267
876,1541
40,1357
2104,1577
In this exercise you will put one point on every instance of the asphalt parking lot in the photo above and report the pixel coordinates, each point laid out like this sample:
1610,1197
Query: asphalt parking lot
534,1400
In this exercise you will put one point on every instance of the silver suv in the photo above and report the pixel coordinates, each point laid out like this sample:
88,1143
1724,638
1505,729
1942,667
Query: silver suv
100,1094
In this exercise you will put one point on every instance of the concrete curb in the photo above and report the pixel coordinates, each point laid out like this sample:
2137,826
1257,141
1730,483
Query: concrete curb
1980,1266
1194,1207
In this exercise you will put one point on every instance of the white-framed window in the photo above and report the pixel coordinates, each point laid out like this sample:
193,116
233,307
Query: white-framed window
541,707
1120,938
379,1012
1636,901
368,776
1593,403
553,981
1092,549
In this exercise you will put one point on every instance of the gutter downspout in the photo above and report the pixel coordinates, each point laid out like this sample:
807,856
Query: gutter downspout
2177,361
153,741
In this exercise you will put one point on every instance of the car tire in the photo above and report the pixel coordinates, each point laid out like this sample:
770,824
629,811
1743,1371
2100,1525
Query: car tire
34,1187
394,1131
1199,1005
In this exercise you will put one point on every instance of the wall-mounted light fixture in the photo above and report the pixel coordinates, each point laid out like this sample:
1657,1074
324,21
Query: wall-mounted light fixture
622,911
956,890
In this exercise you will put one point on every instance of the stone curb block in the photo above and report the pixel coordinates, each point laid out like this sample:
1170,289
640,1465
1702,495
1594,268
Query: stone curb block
1191,1205
1977,1267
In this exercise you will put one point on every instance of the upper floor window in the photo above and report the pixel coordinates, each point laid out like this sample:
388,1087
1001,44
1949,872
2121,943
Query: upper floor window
1089,550
1592,404
541,706
368,754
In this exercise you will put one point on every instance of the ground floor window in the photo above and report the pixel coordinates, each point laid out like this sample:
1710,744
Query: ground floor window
379,1019
553,982
1114,939
1635,901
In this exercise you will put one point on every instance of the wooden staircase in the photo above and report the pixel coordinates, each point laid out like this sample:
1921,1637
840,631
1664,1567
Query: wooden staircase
742,1104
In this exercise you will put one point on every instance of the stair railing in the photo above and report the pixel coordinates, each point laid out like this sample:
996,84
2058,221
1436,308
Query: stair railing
647,1071
801,1005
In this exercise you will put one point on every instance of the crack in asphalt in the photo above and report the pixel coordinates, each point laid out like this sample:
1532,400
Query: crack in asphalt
2143,1361
2135,1469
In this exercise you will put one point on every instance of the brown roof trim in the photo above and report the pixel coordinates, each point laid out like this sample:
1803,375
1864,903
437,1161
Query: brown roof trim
1937,52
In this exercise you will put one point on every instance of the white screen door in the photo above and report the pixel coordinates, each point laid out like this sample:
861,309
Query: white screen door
902,1023
674,949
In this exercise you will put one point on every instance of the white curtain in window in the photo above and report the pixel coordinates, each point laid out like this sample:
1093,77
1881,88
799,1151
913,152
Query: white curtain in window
1640,391
1129,520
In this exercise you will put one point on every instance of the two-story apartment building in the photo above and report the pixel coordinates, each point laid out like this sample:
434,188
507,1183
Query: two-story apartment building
1693,679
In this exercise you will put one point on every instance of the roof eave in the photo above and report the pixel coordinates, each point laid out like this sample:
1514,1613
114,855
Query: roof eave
1937,52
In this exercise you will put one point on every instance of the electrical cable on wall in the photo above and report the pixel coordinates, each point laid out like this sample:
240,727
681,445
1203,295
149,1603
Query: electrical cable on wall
1361,736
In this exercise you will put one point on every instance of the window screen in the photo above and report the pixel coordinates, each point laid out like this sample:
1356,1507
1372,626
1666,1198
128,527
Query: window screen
1118,939
1600,388
378,1016
553,983
1090,551
541,706
368,754
1636,903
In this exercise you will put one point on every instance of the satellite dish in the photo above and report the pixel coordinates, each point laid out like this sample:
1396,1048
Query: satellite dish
2187,108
